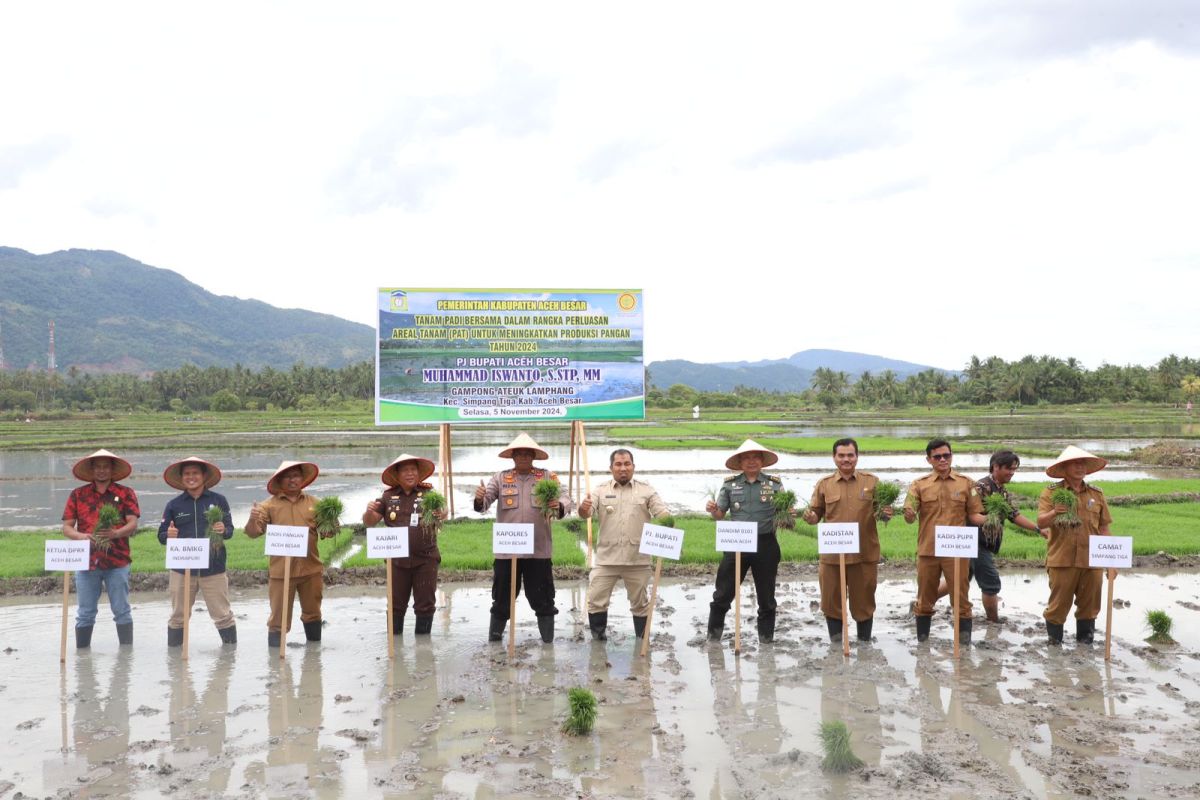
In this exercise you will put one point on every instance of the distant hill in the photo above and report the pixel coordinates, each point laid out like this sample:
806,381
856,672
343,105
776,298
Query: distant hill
114,314
792,374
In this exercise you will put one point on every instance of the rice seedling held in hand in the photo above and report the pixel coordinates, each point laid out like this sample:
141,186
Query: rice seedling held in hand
785,509
1159,623
583,712
545,492
886,494
1065,497
214,515
666,520
432,505
996,509
108,518
327,513
835,741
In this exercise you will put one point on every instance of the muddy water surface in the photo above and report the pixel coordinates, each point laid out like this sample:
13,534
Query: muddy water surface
452,716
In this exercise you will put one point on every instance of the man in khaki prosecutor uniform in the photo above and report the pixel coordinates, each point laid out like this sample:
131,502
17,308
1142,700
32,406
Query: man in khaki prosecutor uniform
1067,548
942,497
848,495
623,505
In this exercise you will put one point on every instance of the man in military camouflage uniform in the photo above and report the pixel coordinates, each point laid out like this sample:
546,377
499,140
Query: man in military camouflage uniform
748,496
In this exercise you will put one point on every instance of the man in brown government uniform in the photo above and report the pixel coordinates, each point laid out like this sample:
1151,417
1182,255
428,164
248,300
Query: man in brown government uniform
848,495
623,505
1067,548
942,497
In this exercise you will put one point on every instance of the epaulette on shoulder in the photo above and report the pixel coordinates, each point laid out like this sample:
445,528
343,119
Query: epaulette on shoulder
866,474
1095,488
732,478
773,478
552,476
425,486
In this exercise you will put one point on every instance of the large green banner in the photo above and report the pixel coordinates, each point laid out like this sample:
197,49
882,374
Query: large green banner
498,355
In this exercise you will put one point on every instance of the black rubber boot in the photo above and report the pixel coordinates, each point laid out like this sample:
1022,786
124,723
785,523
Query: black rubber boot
312,631
923,626
125,633
174,637
639,627
272,638
766,628
546,628
496,628
228,635
83,637
1085,631
835,629
424,625
716,626
1055,632
598,623
397,624
864,629
964,630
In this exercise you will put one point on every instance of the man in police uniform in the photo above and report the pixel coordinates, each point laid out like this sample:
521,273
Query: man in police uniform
942,497
623,505
512,490
848,495
1067,549
748,496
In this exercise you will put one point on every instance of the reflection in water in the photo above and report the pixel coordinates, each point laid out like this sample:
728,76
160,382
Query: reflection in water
101,725
198,723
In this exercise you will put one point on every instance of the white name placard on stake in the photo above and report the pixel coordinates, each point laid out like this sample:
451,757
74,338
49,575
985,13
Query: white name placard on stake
387,542
954,541
187,553
512,538
737,537
287,540
1110,551
68,555
837,537
661,541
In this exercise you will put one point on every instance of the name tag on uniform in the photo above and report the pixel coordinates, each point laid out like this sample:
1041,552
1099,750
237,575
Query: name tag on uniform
414,520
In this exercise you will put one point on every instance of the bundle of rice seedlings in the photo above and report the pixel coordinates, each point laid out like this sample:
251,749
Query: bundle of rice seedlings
432,504
835,741
1159,623
574,525
108,518
666,520
583,712
886,494
545,492
1065,497
996,508
214,515
327,513
785,509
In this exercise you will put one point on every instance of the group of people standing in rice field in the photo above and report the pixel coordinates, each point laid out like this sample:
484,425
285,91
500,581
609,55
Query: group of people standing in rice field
621,506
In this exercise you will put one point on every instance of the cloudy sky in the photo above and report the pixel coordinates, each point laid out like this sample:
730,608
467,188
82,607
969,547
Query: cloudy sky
922,181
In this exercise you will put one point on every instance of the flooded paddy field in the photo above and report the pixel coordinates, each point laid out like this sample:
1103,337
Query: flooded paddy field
453,717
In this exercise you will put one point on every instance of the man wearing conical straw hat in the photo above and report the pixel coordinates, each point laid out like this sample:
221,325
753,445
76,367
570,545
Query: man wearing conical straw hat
186,517
748,496
400,507
1071,579
512,492
290,505
110,557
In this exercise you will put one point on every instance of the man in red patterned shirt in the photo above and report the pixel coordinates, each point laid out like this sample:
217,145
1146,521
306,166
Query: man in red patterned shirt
110,548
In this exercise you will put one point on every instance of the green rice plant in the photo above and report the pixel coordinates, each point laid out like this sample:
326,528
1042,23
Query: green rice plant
574,525
785,509
107,519
835,741
327,514
1065,497
214,515
666,520
886,494
545,492
711,493
432,504
583,712
1159,623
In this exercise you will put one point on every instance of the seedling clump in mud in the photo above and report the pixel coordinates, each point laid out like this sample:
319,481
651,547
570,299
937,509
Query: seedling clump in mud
1159,623
835,741
583,712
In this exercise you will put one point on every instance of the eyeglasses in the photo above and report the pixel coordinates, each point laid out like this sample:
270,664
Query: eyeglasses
941,456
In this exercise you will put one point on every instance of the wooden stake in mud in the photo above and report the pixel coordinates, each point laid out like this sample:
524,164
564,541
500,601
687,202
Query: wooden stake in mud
449,493
957,575
653,600
62,652
1112,576
512,611
737,602
845,606
443,433
187,610
391,612
286,607
571,483
587,478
